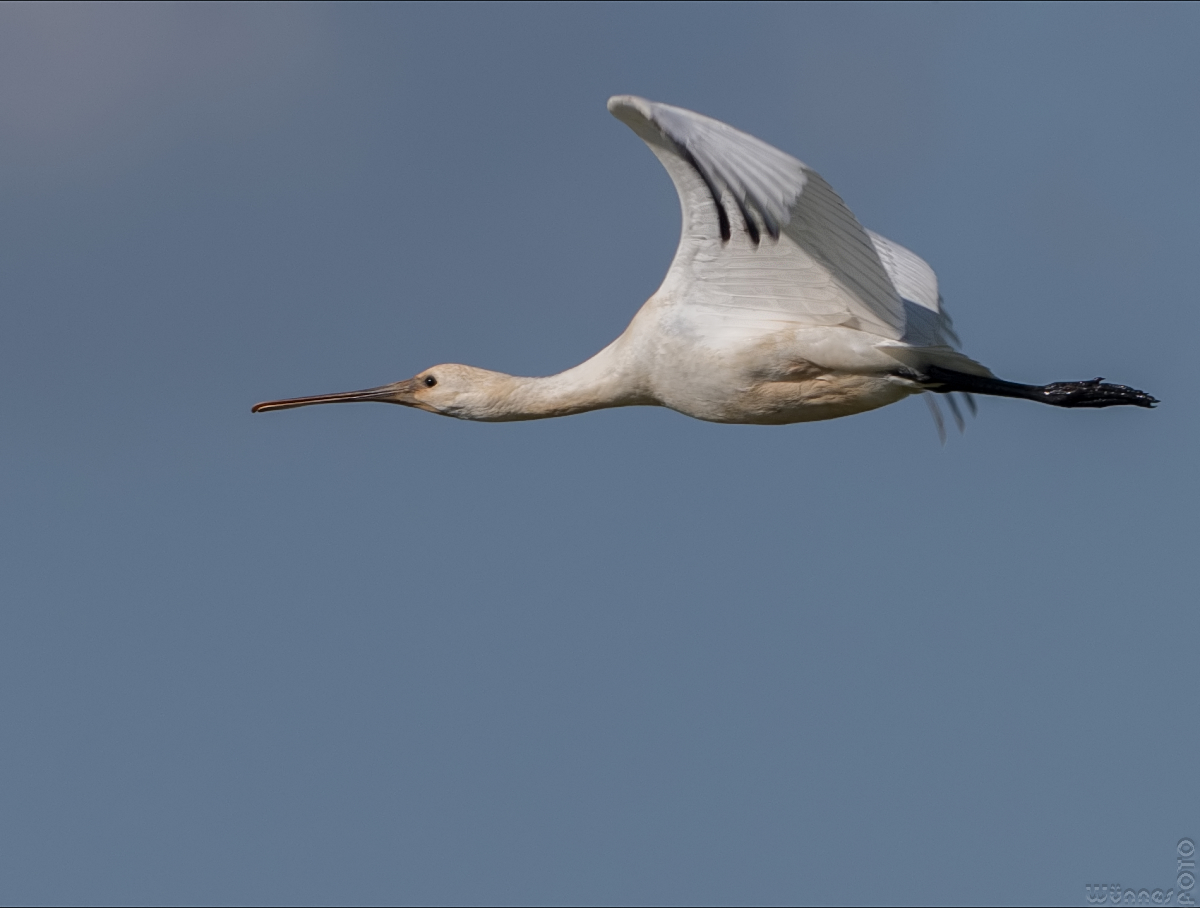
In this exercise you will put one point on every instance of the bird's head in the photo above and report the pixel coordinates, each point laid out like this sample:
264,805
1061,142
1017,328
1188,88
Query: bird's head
450,389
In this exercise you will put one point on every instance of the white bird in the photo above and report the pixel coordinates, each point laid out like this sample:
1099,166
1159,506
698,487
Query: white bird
779,307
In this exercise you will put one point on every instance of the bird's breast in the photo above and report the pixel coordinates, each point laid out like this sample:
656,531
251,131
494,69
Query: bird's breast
772,377
771,403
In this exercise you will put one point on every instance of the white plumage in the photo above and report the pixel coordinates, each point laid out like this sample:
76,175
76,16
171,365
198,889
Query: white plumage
778,307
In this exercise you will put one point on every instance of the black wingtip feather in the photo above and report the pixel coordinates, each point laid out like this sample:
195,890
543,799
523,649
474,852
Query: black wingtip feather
723,221
748,220
722,216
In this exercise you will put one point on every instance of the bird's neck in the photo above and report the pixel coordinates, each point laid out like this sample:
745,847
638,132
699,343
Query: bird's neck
608,379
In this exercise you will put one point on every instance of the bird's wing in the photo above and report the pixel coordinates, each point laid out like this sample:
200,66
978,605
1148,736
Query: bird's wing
926,323
765,239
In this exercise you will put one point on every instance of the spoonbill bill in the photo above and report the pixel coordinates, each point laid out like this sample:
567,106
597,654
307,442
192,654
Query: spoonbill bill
779,307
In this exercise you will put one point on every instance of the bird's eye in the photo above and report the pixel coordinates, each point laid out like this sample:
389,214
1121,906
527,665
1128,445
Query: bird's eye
430,381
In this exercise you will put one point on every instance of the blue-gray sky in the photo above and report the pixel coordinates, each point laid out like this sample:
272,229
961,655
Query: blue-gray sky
363,654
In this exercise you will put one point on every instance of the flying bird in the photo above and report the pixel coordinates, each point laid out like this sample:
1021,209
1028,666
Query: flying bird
779,307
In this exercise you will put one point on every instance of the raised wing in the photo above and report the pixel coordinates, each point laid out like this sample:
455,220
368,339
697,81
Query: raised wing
815,265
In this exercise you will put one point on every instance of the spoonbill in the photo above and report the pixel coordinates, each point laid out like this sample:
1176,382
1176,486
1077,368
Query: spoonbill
779,307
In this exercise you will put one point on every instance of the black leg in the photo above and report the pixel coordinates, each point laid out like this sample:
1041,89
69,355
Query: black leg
1094,393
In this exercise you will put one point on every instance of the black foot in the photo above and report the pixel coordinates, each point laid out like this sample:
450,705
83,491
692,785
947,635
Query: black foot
1094,393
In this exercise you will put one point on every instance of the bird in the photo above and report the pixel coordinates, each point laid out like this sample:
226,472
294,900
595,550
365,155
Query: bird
778,308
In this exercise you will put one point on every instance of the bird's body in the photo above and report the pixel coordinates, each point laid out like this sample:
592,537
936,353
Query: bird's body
779,307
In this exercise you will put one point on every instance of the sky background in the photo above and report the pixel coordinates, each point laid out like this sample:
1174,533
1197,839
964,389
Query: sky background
363,654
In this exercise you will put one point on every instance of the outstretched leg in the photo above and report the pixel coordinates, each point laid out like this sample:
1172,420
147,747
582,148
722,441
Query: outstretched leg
1094,393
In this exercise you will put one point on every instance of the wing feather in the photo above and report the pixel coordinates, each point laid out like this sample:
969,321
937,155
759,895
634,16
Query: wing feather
926,322
824,268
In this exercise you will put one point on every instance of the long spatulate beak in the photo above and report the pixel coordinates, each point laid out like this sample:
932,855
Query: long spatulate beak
400,392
